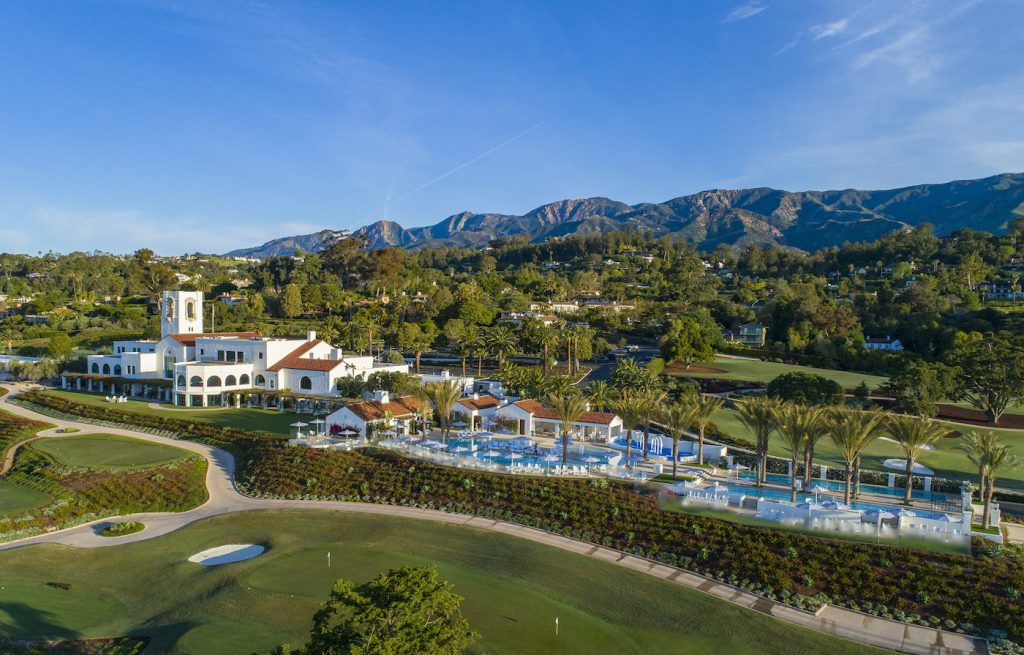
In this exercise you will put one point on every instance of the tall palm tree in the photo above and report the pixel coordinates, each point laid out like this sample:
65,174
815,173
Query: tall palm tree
501,341
443,396
421,393
797,424
991,457
626,404
548,338
851,431
758,415
651,400
600,394
474,344
913,434
704,410
676,418
812,441
568,407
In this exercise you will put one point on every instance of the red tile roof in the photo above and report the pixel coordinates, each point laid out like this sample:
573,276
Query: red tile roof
543,411
483,402
295,360
372,410
189,339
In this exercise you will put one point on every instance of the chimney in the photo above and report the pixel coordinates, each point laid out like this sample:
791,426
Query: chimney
311,335
382,396
476,396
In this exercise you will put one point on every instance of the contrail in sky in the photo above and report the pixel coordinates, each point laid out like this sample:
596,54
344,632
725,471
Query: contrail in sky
465,164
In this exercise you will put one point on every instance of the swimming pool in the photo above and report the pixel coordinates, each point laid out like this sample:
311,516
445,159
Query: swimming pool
783,494
834,485
579,454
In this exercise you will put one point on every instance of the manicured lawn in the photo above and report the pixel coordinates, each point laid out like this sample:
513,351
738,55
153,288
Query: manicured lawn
16,498
514,590
946,460
758,371
267,420
107,451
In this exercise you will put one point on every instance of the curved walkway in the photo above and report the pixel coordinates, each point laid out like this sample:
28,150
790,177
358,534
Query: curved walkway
225,498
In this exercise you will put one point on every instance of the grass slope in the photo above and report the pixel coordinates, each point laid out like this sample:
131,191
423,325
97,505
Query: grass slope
752,370
15,498
267,420
513,590
108,451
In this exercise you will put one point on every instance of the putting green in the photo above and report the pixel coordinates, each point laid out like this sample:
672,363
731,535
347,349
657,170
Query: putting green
514,590
15,498
37,609
107,451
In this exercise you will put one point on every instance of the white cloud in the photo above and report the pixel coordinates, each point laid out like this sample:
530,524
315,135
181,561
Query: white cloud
747,10
826,30
911,51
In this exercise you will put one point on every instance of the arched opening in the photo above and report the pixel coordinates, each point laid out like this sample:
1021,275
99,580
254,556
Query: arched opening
181,380
170,308
230,381
117,369
95,368
190,310
243,379
260,381
195,381
213,381
106,369
305,383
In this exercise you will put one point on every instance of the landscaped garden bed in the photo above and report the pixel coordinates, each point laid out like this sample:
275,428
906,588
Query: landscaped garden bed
122,528
936,589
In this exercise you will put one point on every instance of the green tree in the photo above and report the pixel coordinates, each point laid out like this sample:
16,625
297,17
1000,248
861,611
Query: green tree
758,415
851,431
919,386
59,346
291,301
405,611
806,389
442,397
913,434
600,394
689,342
568,407
797,425
501,342
990,372
628,405
703,409
677,419
416,338
991,457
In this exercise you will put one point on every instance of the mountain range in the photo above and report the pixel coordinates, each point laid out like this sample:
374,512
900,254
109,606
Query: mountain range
803,219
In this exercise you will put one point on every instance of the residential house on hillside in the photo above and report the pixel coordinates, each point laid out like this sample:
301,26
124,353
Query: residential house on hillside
753,335
886,344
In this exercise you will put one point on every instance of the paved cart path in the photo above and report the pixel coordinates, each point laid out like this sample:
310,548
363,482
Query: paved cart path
225,498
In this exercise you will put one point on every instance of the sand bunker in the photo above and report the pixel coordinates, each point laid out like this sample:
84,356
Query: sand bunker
227,554
901,465
924,447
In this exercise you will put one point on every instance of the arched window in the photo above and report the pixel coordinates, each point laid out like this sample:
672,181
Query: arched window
260,381
305,383
95,367
190,310
106,369
196,381
230,381
213,381
117,369
243,379
170,308
181,380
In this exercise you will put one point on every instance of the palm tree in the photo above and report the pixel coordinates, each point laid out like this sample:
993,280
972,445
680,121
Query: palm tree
991,457
704,410
913,434
502,342
443,396
796,425
600,394
568,407
812,441
676,418
422,394
627,406
851,431
547,338
474,344
759,416
651,400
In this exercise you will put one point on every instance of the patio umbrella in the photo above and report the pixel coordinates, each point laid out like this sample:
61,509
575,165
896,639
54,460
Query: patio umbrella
460,449
491,453
299,424
349,432
459,424
818,489
514,456
551,457
905,512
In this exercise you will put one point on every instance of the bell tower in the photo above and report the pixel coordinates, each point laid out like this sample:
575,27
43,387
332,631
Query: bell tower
181,313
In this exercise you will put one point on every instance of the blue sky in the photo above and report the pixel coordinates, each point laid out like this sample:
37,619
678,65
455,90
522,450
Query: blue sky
195,125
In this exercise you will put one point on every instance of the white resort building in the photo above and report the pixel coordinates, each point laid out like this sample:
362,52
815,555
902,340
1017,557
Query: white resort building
191,367
534,418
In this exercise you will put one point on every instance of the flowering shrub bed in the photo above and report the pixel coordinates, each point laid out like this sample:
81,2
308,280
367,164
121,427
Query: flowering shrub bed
970,594
81,494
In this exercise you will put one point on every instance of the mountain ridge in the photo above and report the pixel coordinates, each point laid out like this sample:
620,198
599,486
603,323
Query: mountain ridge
802,219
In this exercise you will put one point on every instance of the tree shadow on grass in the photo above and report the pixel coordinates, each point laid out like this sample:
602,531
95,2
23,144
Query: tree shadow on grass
35,623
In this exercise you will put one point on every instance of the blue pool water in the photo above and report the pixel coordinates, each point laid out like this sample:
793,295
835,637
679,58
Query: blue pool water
577,453
933,496
782,494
